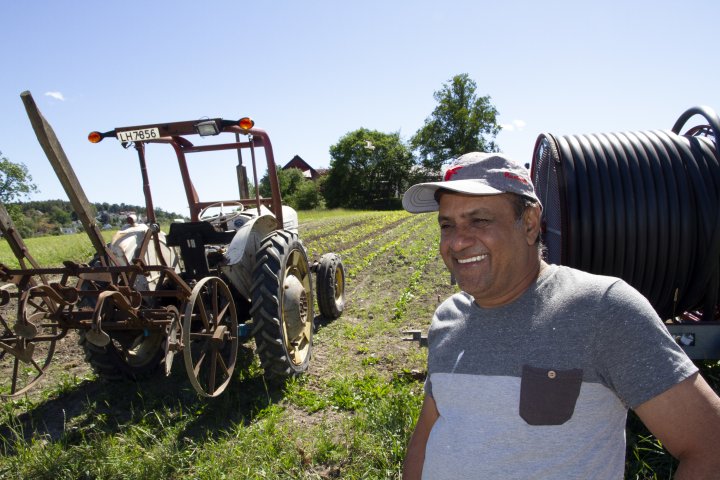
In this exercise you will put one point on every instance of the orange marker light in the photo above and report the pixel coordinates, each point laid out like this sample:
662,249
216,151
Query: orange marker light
95,137
246,123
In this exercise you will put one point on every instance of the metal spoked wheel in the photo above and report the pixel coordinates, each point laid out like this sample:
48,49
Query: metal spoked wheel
282,305
210,336
330,278
27,342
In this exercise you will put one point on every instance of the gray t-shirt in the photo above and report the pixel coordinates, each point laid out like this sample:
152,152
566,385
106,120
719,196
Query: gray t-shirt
540,388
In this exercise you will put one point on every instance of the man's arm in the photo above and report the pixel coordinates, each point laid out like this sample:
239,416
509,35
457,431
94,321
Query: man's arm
686,419
413,465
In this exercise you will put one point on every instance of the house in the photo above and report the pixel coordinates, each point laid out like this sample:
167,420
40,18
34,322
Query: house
308,171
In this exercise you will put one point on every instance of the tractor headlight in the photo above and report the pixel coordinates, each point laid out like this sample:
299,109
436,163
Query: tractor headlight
207,128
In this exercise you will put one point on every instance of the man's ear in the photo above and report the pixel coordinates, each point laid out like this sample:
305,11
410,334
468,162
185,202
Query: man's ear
531,222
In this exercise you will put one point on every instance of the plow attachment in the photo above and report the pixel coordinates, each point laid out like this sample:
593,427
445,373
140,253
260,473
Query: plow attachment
132,309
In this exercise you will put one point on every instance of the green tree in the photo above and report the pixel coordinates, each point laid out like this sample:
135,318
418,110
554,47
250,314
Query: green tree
306,197
15,181
462,122
289,181
368,169
15,184
60,216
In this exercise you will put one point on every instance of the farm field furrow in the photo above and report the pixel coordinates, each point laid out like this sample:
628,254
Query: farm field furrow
362,254
314,229
340,241
382,300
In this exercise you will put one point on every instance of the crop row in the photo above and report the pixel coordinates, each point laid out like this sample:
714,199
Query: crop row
344,240
423,250
314,229
377,234
359,264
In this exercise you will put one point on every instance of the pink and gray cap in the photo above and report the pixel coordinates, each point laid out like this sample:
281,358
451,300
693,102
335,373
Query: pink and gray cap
474,173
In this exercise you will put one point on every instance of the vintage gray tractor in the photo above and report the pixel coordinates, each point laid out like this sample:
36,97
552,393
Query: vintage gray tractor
237,270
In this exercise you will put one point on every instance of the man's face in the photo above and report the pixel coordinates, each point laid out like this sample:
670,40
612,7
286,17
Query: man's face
489,251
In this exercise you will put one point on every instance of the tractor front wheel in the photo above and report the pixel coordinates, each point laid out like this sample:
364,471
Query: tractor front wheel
282,305
330,286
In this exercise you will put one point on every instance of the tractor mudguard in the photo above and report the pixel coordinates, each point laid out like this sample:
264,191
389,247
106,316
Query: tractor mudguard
240,255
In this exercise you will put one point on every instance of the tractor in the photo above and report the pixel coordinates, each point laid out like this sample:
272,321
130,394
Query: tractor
236,270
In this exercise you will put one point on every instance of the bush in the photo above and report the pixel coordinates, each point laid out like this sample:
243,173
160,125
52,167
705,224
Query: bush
307,196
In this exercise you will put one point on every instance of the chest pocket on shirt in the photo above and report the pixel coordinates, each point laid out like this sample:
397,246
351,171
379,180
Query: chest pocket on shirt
547,396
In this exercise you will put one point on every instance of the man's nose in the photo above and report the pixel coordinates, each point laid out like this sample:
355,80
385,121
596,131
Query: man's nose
461,239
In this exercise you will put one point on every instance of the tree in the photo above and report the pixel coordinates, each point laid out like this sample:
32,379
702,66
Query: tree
368,169
462,122
296,190
60,216
289,181
15,181
306,197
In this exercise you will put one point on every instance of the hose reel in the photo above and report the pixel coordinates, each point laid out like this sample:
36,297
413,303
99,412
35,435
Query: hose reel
643,206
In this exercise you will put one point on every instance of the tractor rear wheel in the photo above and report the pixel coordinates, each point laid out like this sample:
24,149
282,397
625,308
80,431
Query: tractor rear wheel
330,276
282,305
135,354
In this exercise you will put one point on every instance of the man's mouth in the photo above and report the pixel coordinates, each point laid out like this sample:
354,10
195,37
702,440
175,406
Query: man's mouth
471,259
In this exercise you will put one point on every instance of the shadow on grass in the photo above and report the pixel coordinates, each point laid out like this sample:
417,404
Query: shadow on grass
101,407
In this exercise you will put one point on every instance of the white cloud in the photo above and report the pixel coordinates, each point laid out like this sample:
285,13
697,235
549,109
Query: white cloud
515,125
56,95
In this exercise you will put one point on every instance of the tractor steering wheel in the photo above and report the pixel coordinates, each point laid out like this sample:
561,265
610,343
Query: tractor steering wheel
220,217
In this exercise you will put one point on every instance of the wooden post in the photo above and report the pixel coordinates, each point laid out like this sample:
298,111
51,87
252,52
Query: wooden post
59,161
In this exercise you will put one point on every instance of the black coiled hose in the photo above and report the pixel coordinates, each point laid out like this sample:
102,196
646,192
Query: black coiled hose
642,206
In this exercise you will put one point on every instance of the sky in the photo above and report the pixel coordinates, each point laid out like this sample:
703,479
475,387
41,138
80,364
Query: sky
310,72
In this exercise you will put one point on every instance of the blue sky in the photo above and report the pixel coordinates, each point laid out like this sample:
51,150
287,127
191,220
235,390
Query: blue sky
310,72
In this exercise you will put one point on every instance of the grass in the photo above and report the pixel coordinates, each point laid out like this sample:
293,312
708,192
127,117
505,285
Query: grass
164,440
51,251
325,214
334,422
349,417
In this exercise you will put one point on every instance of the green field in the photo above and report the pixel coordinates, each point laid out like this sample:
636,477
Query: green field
348,417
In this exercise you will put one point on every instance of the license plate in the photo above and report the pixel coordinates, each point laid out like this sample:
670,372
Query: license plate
141,135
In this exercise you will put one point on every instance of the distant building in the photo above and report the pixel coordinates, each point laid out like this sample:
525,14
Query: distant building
308,171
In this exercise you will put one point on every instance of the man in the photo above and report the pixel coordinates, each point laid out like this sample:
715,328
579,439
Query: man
532,367
129,221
